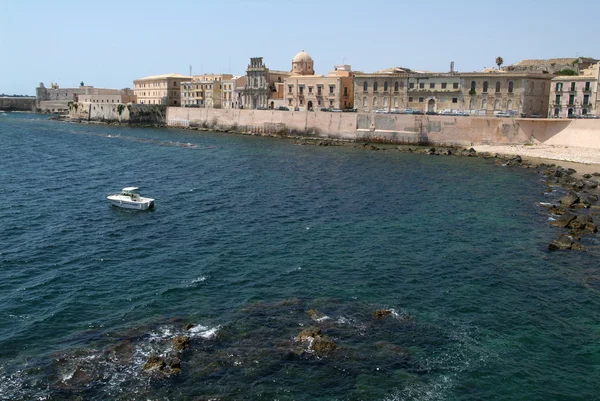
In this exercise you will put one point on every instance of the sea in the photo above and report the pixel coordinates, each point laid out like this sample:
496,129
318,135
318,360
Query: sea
253,240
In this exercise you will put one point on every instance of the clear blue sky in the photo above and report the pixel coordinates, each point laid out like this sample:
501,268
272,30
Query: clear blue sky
111,43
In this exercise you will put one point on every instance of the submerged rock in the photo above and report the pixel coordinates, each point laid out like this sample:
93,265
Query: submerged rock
308,333
154,363
381,313
181,343
322,345
563,242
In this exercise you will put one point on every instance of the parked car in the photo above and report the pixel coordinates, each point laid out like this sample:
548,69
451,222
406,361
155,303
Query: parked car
282,108
431,113
348,110
536,115
324,109
502,114
336,110
381,111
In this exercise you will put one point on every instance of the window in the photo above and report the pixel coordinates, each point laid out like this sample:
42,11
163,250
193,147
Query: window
345,91
319,90
410,99
331,88
511,87
422,85
395,102
455,85
571,100
471,104
444,85
365,86
497,86
432,85
473,85
331,103
374,86
411,85
301,102
310,88
301,88
572,86
484,104
421,99
385,102
509,105
454,100
586,100
396,86
365,104
374,102
587,87
497,104
385,86
485,87
559,86
290,102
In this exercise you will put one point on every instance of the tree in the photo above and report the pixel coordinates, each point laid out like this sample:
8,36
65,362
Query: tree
499,61
81,84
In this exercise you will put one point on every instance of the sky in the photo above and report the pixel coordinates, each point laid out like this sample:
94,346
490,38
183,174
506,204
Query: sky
108,44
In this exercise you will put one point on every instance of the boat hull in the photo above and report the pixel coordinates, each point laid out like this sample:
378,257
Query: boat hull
128,204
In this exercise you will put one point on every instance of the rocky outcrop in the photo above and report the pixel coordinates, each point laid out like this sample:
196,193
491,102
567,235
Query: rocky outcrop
564,241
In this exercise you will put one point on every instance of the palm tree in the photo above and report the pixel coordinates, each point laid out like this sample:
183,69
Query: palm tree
499,61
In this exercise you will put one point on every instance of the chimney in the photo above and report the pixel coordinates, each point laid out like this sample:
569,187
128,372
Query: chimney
452,66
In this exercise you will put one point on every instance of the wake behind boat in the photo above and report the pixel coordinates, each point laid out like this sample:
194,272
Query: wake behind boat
130,199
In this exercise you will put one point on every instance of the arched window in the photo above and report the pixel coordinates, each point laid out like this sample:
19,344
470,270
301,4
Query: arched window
485,87
365,104
385,86
484,104
396,86
395,102
471,104
375,86
256,82
374,102
497,86
511,86
473,85
509,105
365,86
385,101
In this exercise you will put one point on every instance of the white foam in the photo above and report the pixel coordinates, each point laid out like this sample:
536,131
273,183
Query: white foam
204,332
198,280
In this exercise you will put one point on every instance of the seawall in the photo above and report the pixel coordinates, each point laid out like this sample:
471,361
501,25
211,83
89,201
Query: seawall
395,128
17,103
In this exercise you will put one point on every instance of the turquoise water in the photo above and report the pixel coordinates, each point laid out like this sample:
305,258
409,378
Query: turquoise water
247,236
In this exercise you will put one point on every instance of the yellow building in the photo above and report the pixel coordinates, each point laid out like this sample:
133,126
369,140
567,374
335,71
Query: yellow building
304,90
159,89
204,90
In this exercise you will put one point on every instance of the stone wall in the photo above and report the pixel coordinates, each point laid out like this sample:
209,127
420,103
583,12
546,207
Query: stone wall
17,103
396,128
138,114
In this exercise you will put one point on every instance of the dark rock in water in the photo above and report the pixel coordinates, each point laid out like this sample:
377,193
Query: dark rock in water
121,353
577,185
517,159
190,326
308,333
556,210
591,184
174,365
314,314
569,200
587,176
591,227
181,342
570,171
564,220
323,345
381,313
588,199
431,151
155,363
596,174
566,180
579,223
562,242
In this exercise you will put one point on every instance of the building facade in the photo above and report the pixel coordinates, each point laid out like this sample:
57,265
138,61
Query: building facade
304,90
204,90
159,89
57,99
575,96
485,94
123,96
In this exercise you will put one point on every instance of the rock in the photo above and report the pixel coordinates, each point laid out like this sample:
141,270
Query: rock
566,180
588,199
189,326
562,242
181,343
570,171
155,363
587,176
564,220
308,333
556,210
579,223
577,247
314,314
596,174
323,345
591,184
381,313
577,185
472,151
569,200
431,151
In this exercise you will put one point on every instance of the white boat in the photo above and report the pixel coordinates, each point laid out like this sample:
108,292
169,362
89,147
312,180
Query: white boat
130,199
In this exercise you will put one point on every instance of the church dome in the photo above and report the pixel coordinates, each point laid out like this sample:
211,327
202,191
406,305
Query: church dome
302,57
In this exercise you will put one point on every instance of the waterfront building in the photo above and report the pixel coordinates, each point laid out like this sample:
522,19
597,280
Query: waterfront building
477,93
204,90
57,99
159,89
264,87
575,96
304,90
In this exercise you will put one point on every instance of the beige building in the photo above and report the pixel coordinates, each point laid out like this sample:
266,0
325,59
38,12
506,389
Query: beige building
159,89
123,96
204,90
306,91
478,93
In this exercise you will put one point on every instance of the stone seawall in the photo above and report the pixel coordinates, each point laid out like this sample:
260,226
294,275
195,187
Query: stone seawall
134,114
395,128
17,103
